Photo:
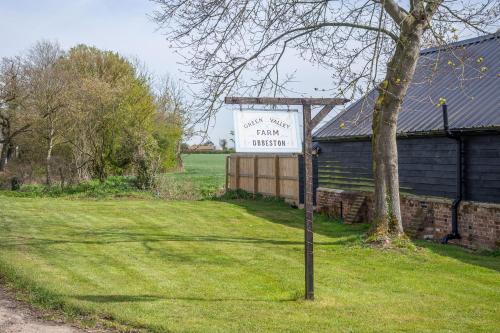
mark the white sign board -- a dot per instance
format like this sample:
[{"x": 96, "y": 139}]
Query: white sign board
[{"x": 267, "y": 131}]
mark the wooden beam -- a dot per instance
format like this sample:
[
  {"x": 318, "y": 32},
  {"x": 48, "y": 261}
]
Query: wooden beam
[
  {"x": 321, "y": 114},
  {"x": 285, "y": 101}
]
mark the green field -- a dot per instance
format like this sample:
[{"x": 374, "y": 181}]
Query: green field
[
  {"x": 236, "y": 266},
  {"x": 203, "y": 176}
]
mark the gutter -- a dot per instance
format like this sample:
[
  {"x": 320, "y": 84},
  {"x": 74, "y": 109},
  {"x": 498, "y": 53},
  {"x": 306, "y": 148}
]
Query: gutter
[{"x": 459, "y": 176}]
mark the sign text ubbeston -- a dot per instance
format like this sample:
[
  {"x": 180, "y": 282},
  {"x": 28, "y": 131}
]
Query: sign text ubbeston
[{"x": 267, "y": 131}]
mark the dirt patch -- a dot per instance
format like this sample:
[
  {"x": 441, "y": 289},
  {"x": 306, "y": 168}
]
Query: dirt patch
[{"x": 18, "y": 317}]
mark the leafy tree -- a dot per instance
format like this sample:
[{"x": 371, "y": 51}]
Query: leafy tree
[
  {"x": 114, "y": 108},
  {"x": 90, "y": 114}
]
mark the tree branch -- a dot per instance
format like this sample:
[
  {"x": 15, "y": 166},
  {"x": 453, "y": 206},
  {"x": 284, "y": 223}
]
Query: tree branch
[
  {"x": 397, "y": 13},
  {"x": 311, "y": 28},
  {"x": 431, "y": 8},
  {"x": 20, "y": 130}
]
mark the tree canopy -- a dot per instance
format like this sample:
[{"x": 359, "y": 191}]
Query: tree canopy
[{"x": 86, "y": 113}]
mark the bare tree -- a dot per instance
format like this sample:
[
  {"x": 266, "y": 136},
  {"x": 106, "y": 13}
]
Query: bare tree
[
  {"x": 174, "y": 109},
  {"x": 12, "y": 114},
  {"x": 46, "y": 94},
  {"x": 237, "y": 47}
]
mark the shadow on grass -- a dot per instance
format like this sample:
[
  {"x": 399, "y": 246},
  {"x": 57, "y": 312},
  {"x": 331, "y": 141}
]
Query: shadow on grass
[
  {"x": 151, "y": 298},
  {"x": 276, "y": 211},
  {"x": 115, "y": 237},
  {"x": 279, "y": 212},
  {"x": 272, "y": 211},
  {"x": 486, "y": 259}
]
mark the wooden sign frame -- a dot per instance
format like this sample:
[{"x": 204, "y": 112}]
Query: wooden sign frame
[{"x": 309, "y": 124}]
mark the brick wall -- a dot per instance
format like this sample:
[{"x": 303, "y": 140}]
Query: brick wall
[{"x": 425, "y": 217}]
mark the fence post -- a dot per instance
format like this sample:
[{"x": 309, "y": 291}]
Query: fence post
[
  {"x": 277, "y": 175},
  {"x": 237, "y": 173},
  {"x": 299, "y": 174},
  {"x": 228, "y": 170},
  {"x": 255, "y": 174}
]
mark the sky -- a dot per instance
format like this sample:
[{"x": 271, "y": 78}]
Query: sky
[{"x": 123, "y": 26}]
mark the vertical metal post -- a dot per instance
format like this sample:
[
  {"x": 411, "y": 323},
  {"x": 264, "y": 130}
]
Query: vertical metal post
[{"x": 308, "y": 205}]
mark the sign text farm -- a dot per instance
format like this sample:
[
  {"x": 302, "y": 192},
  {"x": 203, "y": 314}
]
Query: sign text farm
[{"x": 266, "y": 132}]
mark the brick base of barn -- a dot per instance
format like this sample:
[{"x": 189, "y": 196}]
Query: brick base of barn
[{"x": 425, "y": 217}]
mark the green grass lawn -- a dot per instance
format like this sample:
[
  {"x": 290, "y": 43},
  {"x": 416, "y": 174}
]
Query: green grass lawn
[
  {"x": 212, "y": 266},
  {"x": 203, "y": 176}
]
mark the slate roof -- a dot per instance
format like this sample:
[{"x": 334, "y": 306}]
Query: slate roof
[{"x": 466, "y": 74}]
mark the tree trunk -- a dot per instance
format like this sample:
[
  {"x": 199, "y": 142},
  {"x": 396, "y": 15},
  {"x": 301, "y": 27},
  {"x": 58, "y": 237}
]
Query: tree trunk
[
  {"x": 379, "y": 227},
  {"x": 387, "y": 220},
  {"x": 100, "y": 168},
  {"x": 5, "y": 136},
  {"x": 178, "y": 155},
  {"x": 48, "y": 159},
  {"x": 4, "y": 155}
]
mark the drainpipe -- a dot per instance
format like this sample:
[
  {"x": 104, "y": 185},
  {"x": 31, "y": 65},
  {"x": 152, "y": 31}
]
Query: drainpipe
[{"x": 458, "y": 197}]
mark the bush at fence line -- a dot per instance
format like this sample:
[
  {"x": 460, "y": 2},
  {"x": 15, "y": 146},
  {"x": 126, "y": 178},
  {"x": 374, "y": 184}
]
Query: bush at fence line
[
  {"x": 115, "y": 186},
  {"x": 171, "y": 188}
]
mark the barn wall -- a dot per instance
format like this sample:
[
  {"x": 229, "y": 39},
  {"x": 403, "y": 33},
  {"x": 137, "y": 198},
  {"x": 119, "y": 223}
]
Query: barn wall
[
  {"x": 345, "y": 165},
  {"x": 424, "y": 217},
  {"x": 482, "y": 168},
  {"x": 426, "y": 166}
]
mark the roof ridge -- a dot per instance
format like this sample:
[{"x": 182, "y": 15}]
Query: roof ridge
[
  {"x": 474, "y": 103},
  {"x": 463, "y": 42}
]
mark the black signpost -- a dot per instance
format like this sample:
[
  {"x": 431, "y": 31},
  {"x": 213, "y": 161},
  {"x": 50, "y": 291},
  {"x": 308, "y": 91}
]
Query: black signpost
[{"x": 309, "y": 124}]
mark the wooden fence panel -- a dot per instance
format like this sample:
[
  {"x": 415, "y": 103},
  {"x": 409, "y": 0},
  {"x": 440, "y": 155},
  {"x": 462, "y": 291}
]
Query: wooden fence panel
[
  {"x": 271, "y": 174},
  {"x": 289, "y": 167},
  {"x": 289, "y": 189}
]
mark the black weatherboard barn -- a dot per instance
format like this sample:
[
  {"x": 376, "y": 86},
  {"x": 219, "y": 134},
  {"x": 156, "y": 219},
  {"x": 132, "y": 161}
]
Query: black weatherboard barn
[
  {"x": 448, "y": 139},
  {"x": 467, "y": 77}
]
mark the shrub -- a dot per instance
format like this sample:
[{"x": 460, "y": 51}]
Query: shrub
[{"x": 116, "y": 186}]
